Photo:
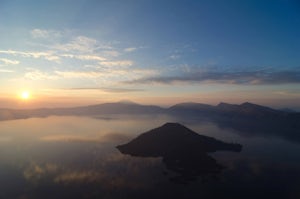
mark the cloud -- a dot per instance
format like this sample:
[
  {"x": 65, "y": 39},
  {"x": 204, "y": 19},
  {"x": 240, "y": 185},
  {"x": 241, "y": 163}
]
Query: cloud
[
  {"x": 53, "y": 58},
  {"x": 85, "y": 57},
  {"x": 79, "y": 74},
  {"x": 44, "y": 34},
  {"x": 35, "y": 74},
  {"x": 8, "y": 61},
  {"x": 27, "y": 54},
  {"x": 175, "y": 56},
  {"x": 48, "y": 55},
  {"x": 122, "y": 63},
  {"x": 111, "y": 53},
  {"x": 78, "y": 44},
  {"x": 61, "y": 46},
  {"x": 258, "y": 77},
  {"x": 6, "y": 71},
  {"x": 108, "y": 90},
  {"x": 39, "y": 75},
  {"x": 121, "y": 90},
  {"x": 130, "y": 49},
  {"x": 97, "y": 60},
  {"x": 107, "y": 76}
]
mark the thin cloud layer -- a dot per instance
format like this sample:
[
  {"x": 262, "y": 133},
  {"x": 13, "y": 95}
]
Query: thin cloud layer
[
  {"x": 109, "y": 90},
  {"x": 258, "y": 77},
  {"x": 45, "y": 34},
  {"x": 9, "y": 61},
  {"x": 121, "y": 63}
]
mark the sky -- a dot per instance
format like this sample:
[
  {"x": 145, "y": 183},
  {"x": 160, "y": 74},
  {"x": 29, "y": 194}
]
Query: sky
[{"x": 78, "y": 52}]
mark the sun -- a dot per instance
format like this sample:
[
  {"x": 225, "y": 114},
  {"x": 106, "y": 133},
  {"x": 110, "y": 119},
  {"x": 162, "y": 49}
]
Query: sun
[{"x": 25, "y": 95}]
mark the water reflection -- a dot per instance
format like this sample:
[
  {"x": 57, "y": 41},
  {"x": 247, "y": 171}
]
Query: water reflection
[
  {"x": 189, "y": 168},
  {"x": 75, "y": 157}
]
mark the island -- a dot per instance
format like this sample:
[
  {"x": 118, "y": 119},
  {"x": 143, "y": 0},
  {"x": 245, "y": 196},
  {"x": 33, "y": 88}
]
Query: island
[{"x": 183, "y": 151}]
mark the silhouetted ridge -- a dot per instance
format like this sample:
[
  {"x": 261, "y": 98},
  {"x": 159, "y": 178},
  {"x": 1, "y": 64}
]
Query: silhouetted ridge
[
  {"x": 191, "y": 109},
  {"x": 192, "y": 105},
  {"x": 257, "y": 107},
  {"x": 250, "y": 104},
  {"x": 223, "y": 104},
  {"x": 127, "y": 102}
]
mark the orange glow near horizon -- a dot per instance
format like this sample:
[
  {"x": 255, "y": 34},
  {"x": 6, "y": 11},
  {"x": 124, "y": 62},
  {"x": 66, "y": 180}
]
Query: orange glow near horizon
[{"x": 27, "y": 98}]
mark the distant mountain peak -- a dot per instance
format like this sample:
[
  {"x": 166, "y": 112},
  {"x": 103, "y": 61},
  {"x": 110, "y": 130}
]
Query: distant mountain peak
[
  {"x": 222, "y": 104},
  {"x": 227, "y": 107},
  {"x": 246, "y": 104},
  {"x": 249, "y": 104},
  {"x": 259, "y": 108},
  {"x": 127, "y": 102},
  {"x": 191, "y": 106}
]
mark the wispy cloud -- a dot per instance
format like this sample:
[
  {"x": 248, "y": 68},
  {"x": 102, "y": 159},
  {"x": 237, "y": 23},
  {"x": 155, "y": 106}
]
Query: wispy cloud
[
  {"x": 121, "y": 63},
  {"x": 111, "y": 53},
  {"x": 79, "y": 74},
  {"x": 9, "y": 61},
  {"x": 109, "y": 90},
  {"x": 78, "y": 44},
  {"x": 6, "y": 71},
  {"x": 75, "y": 57},
  {"x": 258, "y": 77},
  {"x": 48, "y": 55},
  {"x": 175, "y": 56},
  {"x": 31, "y": 54},
  {"x": 130, "y": 49},
  {"x": 109, "y": 77},
  {"x": 68, "y": 41},
  {"x": 34, "y": 74},
  {"x": 45, "y": 34},
  {"x": 85, "y": 57},
  {"x": 60, "y": 46}
]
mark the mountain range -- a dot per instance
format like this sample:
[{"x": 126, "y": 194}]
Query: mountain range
[
  {"x": 245, "y": 117},
  {"x": 223, "y": 109}
]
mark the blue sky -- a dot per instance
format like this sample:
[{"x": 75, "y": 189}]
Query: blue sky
[{"x": 160, "y": 52}]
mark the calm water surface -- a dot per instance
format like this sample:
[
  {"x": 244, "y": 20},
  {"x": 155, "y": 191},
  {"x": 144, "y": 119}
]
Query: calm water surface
[{"x": 75, "y": 157}]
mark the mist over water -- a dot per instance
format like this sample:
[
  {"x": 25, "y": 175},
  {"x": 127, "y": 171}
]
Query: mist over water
[{"x": 75, "y": 157}]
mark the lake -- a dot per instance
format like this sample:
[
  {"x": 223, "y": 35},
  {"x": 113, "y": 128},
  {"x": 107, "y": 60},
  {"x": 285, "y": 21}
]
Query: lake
[{"x": 75, "y": 157}]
